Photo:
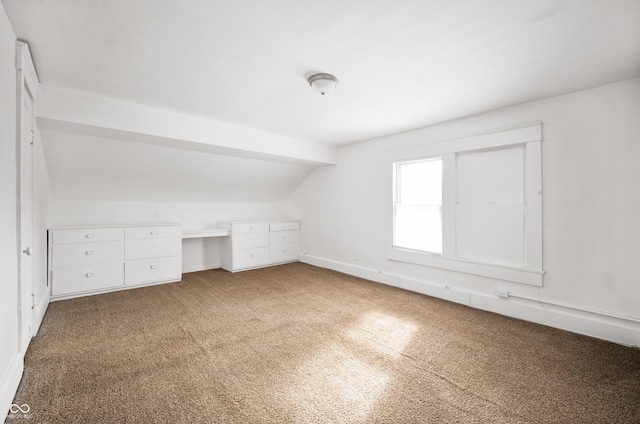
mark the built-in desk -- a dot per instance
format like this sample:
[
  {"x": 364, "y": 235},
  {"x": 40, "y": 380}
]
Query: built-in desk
[
  {"x": 249, "y": 244},
  {"x": 203, "y": 233}
]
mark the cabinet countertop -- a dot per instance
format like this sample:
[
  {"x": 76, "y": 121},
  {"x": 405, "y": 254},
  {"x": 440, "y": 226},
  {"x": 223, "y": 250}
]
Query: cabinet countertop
[{"x": 206, "y": 232}]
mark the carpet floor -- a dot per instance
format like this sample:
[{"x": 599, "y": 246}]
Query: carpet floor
[{"x": 300, "y": 344}]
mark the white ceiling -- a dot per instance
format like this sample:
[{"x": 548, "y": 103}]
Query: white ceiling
[
  {"x": 402, "y": 64},
  {"x": 86, "y": 167}
]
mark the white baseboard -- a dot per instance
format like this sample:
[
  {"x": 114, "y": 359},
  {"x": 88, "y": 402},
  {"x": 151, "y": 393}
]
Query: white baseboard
[
  {"x": 188, "y": 269},
  {"x": 599, "y": 325},
  {"x": 113, "y": 289},
  {"x": 9, "y": 384}
]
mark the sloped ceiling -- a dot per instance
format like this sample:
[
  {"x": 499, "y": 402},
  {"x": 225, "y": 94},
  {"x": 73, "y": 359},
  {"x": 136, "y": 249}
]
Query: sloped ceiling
[
  {"x": 401, "y": 63},
  {"x": 86, "y": 167},
  {"x": 242, "y": 66}
]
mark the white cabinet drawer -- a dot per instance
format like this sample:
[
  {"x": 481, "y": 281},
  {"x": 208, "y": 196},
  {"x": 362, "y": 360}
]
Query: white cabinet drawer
[
  {"x": 145, "y": 249},
  {"x": 284, "y": 253},
  {"x": 74, "y": 254},
  {"x": 86, "y": 278},
  {"x": 87, "y": 235},
  {"x": 255, "y": 227},
  {"x": 142, "y": 233},
  {"x": 255, "y": 244},
  {"x": 284, "y": 226},
  {"x": 158, "y": 269},
  {"x": 283, "y": 237},
  {"x": 250, "y": 258},
  {"x": 249, "y": 240}
]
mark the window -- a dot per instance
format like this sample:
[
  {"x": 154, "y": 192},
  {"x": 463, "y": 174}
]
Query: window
[
  {"x": 472, "y": 205},
  {"x": 418, "y": 205}
]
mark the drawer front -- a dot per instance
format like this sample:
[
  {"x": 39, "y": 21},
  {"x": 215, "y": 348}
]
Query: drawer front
[
  {"x": 86, "y": 278},
  {"x": 284, "y": 253},
  {"x": 249, "y": 240},
  {"x": 283, "y": 237},
  {"x": 147, "y": 249},
  {"x": 147, "y": 233},
  {"x": 249, "y": 258},
  {"x": 284, "y": 226},
  {"x": 256, "y": 227},
  {"x": 148, "y": 270},
  {"x": 74, "y": 254},
  {"x": 87, "y": 235}
]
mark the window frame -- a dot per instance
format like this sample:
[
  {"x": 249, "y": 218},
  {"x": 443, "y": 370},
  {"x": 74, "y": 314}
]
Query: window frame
[{"x": 528, "y": 135}]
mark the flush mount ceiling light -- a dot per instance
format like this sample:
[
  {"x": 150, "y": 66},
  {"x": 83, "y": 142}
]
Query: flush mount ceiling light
[{"x": 323, "y": 83}]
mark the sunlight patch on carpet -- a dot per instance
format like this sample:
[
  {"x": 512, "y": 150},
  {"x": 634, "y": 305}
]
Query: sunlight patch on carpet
[
  {"x": 383, "y": 333},
  {"x": 337, "y": 385}
]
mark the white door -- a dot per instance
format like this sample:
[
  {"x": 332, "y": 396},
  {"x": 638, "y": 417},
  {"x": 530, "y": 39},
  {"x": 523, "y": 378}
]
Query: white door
[{"x": 26, "y": 216}]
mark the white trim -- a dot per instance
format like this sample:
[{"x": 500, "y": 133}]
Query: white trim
[
  {"x": 25, "y": 64},
  {"x": 598, "y": 324},
  {"x": 113, "y": 289},
  {"x": 449, "y": 205},
  {"x": 533, "y": 203},
  {"x": 517, "y": 275},
  {"x": 10, "y": 382},
  {"x": 528, "y": 135},
  {"x": 569, "y": 306},
  {"x": 26, "y": 81},
  {"x": 500, "y": 137}
]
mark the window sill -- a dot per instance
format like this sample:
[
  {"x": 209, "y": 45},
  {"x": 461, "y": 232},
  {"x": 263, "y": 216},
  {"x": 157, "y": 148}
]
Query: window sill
[{"x": 531, "y": 277}]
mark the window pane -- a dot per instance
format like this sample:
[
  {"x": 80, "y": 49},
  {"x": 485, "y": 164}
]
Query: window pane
[
  {"x": 420, "y": 183},
  {"x": 418, "y": 228}
]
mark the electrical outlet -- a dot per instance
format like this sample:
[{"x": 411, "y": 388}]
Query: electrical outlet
[{"x": 500, "y": 292}]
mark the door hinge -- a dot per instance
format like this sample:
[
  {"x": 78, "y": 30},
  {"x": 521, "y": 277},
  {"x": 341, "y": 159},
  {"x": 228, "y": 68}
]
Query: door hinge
[
  {"x": 33, "y": 300},
  {"x": 33, "y": 136}
]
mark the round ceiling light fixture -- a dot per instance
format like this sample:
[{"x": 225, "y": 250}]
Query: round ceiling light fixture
[{"x": 323, "y": 83}]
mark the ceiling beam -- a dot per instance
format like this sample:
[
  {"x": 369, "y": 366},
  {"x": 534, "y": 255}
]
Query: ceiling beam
[{"x": 91, "y": 114}]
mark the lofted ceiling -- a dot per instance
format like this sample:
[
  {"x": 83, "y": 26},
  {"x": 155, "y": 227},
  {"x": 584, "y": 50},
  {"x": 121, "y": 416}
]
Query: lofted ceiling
[
  {"x": 208, "y": 101},
  {"x": 402, "y": 64},
  {"x": 86, "y": 167}
]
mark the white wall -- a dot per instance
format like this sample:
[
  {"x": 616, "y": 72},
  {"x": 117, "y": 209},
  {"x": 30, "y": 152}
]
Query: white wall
[
  {"x": 198, "y": 254},
  {"x": 591, "y": 214},
  {"x": 10, "y": 358}
]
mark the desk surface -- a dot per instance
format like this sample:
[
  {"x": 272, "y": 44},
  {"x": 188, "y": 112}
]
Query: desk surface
[{"x": 206, "y": 232}]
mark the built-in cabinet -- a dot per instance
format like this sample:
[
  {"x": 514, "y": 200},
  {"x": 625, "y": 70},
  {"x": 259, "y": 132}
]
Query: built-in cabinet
[
  {"x": 88, "y": 260},
  {"x": 256, "y": 244},
  {"x": 91, "y": 260}
]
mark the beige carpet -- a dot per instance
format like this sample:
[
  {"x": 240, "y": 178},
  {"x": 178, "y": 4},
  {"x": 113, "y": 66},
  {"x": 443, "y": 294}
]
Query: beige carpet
[{"x": 299, "y": 344}]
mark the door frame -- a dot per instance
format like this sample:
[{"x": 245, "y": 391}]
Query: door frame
[{"x": 27, "y": 83}]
